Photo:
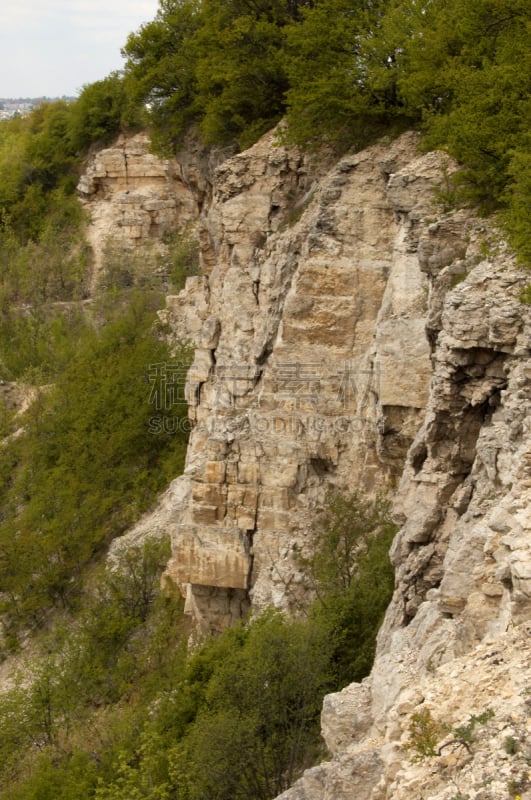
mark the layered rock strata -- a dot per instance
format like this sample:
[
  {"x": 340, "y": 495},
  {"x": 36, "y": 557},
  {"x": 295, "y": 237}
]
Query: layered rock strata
[
  {"x": 352, "y": 333},
  {"x": 133, "y": 198},
  {"x": 311, "y": 363},
  {"x": 455, "y": 642}
]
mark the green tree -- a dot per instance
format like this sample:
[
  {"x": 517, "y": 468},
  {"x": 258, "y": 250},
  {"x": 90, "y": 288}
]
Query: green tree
[
  {"x": 160, "y": 69},
  {"x": 352, "y": 575},
  {"x": 517, "y": 198},
  {"x": 102, "y": 111},
  {"x": 467, "y": 69},
  {"x": 218, "y": 65},
  {"x": 49, "y": 152},
  {"x": 331, "y": 97},
  {"x": 241, "y": 81},
  {"x": 259, "y": 725}
]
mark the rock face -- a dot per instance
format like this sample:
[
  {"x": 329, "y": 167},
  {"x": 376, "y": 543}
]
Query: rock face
[
  {"x": 133, "y": 198},
  {"x": 311, "y": 368},
  {"x": 351, "y": 333},
  {"x": 456, "y": 635}
]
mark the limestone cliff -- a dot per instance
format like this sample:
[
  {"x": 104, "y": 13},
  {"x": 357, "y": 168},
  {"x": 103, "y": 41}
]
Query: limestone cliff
[
  {"x": 132, "y": 198},
  {"x": 351, "y": 333},
  {"x": 311, "y": 365}
]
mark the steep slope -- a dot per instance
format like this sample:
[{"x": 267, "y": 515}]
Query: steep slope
[
  {"x": 456, "y": 637},
  {"x": 311, "y": 366},
  {"x": 352, "y": 332}
]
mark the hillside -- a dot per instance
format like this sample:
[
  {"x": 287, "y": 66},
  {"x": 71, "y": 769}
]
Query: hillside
[
  {"x": 265, "y": 387},
  {"x": 379, "y": 345}
]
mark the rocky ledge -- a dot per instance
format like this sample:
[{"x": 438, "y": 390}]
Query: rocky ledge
[{"x": 352, "y": 332}]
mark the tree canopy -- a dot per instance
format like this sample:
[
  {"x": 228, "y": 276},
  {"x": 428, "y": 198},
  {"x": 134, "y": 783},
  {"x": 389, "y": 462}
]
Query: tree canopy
[
  {"x": 339, "y": 72},
  {"x": 344, "y": 71}
]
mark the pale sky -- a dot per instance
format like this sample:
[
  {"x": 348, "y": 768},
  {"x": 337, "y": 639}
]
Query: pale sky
[{"x": 53, "y": 48}]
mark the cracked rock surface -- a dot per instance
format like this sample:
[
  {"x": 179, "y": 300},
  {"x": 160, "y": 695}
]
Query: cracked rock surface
[{"x": 350, "y": 333}]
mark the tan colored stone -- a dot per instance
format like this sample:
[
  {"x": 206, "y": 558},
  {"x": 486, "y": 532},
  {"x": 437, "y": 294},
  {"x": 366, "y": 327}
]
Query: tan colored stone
[
  {"x": 210, "y": 493},
  {"x": 370, "y": 343},
  {"x": 248, "y": 472},
  {"x": 211, "y": 557},
  {"x": 203, "y": 514},
  {"x": 276, "y": 498},
  {"x": 242, "y": 495},
  {"x": 273, "y": 520},
  {"x": 214, "y": 472}
]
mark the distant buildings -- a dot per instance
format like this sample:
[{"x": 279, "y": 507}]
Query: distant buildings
[
  {"x": 22, "y": 106},
  {"x": 10, "y": 107}
]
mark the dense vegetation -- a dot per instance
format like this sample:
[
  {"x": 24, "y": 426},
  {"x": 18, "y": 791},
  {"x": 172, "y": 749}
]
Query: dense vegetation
[
  {"x": 339, "y": 72},
  {"x": 345, "y": 71},
  {"x": 84, "y": 467},
  {"x": 111, "y": 707}
]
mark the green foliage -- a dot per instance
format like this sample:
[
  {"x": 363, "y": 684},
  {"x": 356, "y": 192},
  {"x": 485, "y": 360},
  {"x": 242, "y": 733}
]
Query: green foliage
[
  {"x": 334, "y": 100},
  {"x": 240, "y": 74},
  {"x": 102, "y": 111},
  {"x": 517, "y": 198},
  {"x": 424, "y": 734},
  {"x": 87, "y": 465},
  {"x": 6, "y": 418},
  {"x": 464, "y": 734},
  {"x": 510, "y": 745},
  {"x": 218, "y": 64},
  {"x": 354, "y": 580},
  {"x": 259, "y": 726},
  {"x": 49, "y": 154},
  {"x": 91, "y": 662},
  {"x": 52, "y": 779},
  {"x": 181, "y": 259},
  {"x": 125, "y": 269},
  {"x": 117, "y": 635},
  {"x": 343, "y": 73},
  {"x": 114, "y": 702},
  {"x": 160, "y": 69},
  {"x": 50, "y": 266},
  {"x": 38, "y": 343},
  {"x": 14, "y": 136},
  {"x": 40, "y": 155},
  {"x": 464, "y": 72},
  {"x": 146, "y": 778}
]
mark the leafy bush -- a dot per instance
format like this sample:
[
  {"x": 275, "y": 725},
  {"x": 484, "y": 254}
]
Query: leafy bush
[
  {"x": 102, "y": 111},
  {"x": 353, "y": 578},
  {"x": 259, "y": 725},
  {"x": 116, "y": 703},
  {"x": 424, "y": 734},
  {"x": 87, "y": 465}
]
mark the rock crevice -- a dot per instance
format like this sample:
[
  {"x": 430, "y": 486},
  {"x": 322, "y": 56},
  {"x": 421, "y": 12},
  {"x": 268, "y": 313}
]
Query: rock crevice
[{"x": 350, "y": 333}]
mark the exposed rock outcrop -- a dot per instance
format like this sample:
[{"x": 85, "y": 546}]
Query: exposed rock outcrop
[
  {"x": 350, "y": 332},
  {"x": 311, "y": 367},
  {"x": 133, "y": 198},
  {"x": 456, "y": 634}
]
